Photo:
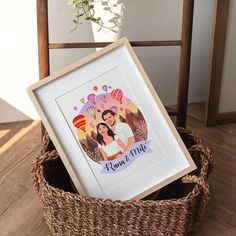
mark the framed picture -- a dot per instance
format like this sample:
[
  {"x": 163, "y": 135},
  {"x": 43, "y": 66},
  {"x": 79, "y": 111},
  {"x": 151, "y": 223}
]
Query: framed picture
[{"x": 109, "y": 126}]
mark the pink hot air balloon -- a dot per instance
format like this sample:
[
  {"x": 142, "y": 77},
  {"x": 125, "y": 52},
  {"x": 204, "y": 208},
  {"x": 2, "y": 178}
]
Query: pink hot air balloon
[
  {"x": 117, "y": 94},
  {"x": 92, "y": 111},
  {"x": 92, "y": 98}
]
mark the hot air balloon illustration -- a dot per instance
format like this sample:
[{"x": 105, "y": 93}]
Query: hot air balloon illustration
[
  {"x": 80, "y": 122},
  {"x": 95, "y": 88},
  {"x": 104, "y": 88},
  {"x": 114, "y": 109},
  {"x": 92, "y": 98},
  {"x": 82, "y": 100},
  {"x": 92, "y": 111},
  {"x": 117, "y": 94},
  {"x": 104, "y": 98}
]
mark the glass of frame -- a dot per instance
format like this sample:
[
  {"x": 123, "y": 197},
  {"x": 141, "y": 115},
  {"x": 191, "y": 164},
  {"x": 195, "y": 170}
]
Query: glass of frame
[{"x": 109, "y": 126}]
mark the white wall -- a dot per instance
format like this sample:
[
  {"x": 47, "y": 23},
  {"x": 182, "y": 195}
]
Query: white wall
[
  {"x": 147, "y": 20},
  {"x": 19, "y": 60},
  {"x": 142, "y": 20}
]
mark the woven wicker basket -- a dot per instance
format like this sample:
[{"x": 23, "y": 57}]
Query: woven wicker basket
[{"x": 176, "y": 210}]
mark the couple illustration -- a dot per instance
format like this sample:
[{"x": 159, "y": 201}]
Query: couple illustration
[{"x": 113, "y": 137}]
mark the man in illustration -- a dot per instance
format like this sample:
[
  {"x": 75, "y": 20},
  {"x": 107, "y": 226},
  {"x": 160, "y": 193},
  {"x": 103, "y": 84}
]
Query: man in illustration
[{"x": 120, "y": 129}]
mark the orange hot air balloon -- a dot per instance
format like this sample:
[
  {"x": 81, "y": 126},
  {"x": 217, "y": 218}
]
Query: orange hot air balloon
[
  {"x": 80, "y": 122},
  {"x": 117, "y": 94}
]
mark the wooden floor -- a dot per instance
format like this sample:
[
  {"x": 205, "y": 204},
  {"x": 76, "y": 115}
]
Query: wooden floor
[{"x": 20, "y": 209}]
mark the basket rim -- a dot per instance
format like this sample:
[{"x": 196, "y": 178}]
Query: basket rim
[
  {"x": 199, "y": 181},
  {"x": 57, "y": 192}
]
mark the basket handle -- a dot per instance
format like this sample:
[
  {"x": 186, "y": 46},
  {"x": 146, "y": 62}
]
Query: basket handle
[
  {"x": 203, "y": 183},
  {"x": 206, "y": 158},
  {"x": 189, "y": 133},
  {"x": 45, "y": 143},
  {"x": 201, "y": 180},
  {"x": 37, "y": 164},
  {"x": 198, "y": 180}
]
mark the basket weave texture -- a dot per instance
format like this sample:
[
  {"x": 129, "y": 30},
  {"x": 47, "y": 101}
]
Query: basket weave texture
[{"x": 175, "y": 210}]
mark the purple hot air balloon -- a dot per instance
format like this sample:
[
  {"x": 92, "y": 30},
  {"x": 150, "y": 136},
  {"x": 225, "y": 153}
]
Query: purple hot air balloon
[{"x": 104, "y": 88}]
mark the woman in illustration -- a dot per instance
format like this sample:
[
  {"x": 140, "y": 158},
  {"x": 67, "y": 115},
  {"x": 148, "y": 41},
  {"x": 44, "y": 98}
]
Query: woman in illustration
[{"x": 109, "y": 147}]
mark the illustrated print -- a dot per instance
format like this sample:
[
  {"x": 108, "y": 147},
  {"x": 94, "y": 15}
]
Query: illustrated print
[{"x": 111, "y": 129}]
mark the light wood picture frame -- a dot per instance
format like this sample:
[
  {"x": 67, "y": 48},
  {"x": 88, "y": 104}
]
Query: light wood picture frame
[
  {"x": 109, "y": 126},
  {"x": 217, "y": 65}
]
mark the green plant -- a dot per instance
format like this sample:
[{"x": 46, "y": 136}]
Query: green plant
[{"x": 84, "y": 10}]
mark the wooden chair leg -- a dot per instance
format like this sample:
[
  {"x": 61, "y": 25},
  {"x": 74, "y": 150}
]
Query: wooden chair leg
[
  {"x": 184, "y": 67},
  {"x": 43, "y": 50}
]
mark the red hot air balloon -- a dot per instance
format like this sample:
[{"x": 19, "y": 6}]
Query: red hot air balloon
[
  {"x": 117, "y": 94},
  {"x": 80, "y": 122},
  {"x": 92, "y": 111},
  {"x": 92, "y": 98}
]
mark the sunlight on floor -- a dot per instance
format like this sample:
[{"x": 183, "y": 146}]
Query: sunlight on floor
[
  {"x": 3, "y": 132},
  {"x": 20, "y": 134}
]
